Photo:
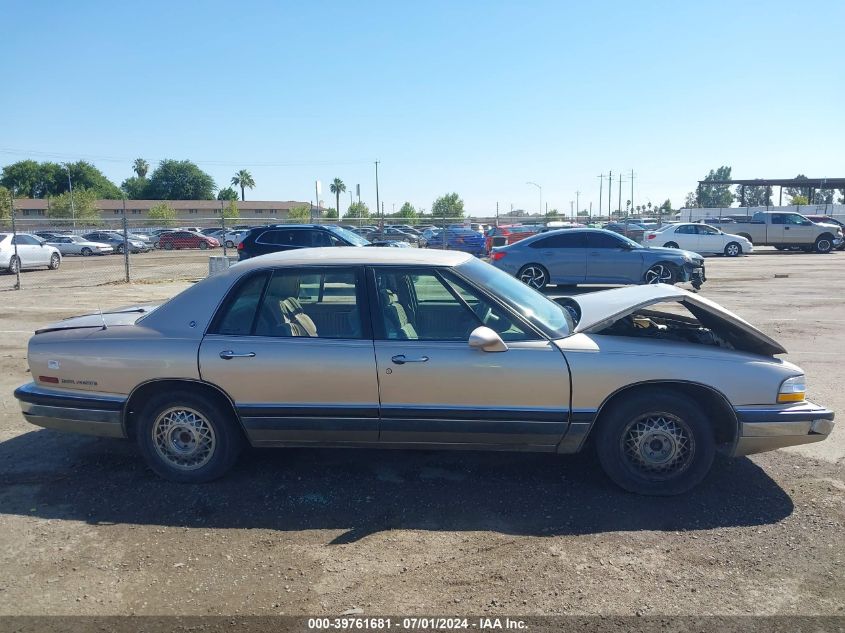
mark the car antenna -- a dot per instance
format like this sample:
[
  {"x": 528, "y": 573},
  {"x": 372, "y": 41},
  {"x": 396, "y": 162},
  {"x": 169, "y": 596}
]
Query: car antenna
[{"x": 102, "y": 318}]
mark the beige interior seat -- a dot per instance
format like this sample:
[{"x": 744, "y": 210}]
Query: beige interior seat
[{"x": 396, "y": 319}]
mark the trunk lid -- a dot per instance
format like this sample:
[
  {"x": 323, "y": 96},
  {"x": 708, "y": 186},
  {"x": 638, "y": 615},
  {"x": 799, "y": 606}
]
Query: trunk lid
[{"x": 99, "y": 320}]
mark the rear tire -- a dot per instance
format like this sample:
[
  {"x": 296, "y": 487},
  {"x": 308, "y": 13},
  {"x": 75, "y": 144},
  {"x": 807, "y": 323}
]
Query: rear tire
[
  {"x": 87, "y": 252},
  {"x": 230, "y": 244},
  {"x": 670, "y": 245},
  {"x": 55, "y": 261},
  {"x": 168, "y": 246},
  {"x": 733, "y": 249},
  {"x": 187, "y": 438},
  {"x": 119, "y": 249},
  {"x": 203, "y": 246},
  {"x": 655, "y": 443},
  {"x": 534, "y": 275}
]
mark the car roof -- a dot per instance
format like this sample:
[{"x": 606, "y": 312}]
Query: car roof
[{"x": 353, "y": 255}]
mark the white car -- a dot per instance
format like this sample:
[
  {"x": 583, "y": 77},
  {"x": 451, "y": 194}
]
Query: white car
[
  {"x": 701, "y": 238},
  {"x": 31, "y": 253},
  {"x": 76, "y": 245},
  {"x": 232, "y": 238}
]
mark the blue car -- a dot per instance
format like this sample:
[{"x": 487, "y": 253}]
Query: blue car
[{"x": 458, "y": 240}]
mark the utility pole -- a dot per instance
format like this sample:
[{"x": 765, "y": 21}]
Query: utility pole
[
  {"x": 620, "y": 194},
  {"x": 632, "y": 189},
  {"x": 571, "y": 209},
  {"x": 497, "y": 213},
  {"x": 577, "y": 203},
  {"x": 70, "y": 189},
  {"x": 609, "y": 191},
  {"x": 601, "y": 183},
  {"x": 377, "y": 202}
]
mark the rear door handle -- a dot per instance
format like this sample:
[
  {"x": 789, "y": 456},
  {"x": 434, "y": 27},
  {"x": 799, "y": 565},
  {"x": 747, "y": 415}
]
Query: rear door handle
[
  {"x": 401, "y": 359},
  {"x": 229, "y": 354}
]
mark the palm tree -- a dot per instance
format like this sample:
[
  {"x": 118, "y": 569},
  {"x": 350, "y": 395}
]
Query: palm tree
[
  {"x": 244, "y": 180},
  {"x": 337, "y": 187},
  {"x": 140, "y": 167}
]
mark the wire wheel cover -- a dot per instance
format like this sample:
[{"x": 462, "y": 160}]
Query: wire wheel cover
[
  {"x": 183, "y": 438},
  {"x": 658, "y": 445}
]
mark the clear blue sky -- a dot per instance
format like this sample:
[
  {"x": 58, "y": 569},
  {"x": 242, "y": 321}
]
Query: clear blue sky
[{"x": 474, "y": 97}]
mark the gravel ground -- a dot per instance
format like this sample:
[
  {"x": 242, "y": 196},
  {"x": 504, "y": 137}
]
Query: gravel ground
[{"x": 86, "y": 529}]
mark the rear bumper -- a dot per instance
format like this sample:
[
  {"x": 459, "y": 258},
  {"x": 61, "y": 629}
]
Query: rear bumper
[
  {"x": 89, "y": 415},
  {"x": 770, "y": 427}
]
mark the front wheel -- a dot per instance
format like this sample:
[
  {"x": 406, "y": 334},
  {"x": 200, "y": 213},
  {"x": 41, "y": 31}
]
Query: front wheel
[
  {"x": 733, "y": 249},
  {"x": 119, "y": 249},
  {"x": 534, "y": 275},
  {"x": 187, "y": 438},
  {"x": 823, "y": 244},
  {"x": 55, "y": 261},
  {"x": 660, "y": 274},
  {"x": 655, "y": 443},
  {"x": 230, "y": 244},
  {"x": 14, "y": 265},
  {"x": 168, "y": 246},
  {"x": 87, "y": 252},
  {"x": 203, "y": 246}
]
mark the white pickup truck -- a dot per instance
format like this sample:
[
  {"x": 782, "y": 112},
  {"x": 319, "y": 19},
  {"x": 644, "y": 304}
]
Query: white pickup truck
[{"x": 785, "y": 230}]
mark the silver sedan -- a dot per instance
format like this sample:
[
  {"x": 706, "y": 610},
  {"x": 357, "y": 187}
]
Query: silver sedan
[
  {"x": 76, "y": 245},
  {"x": 376, "y": 347}
]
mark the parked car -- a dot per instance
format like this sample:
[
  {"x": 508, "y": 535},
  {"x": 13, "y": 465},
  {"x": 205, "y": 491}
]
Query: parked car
[
  {"x": 233, "y": 360},
  {"x": 391, "y": 243},
  {"x": 787, "y": 230},
  {"x": 76, "y": 245},
  {"x": 595, "y": 256},
  {"x": 393, "y": 234},
  {"x": 829, "y": 221},
  {"x": 465, "y": 240},
  {"x": 286, "y": 237},
  {"x": 632, "y": 230},
  {"x": 507, "y": 234},
  {"x": 186, "y": 239},
  {"x": 701, "y": 238},
  {"x": 115, "y": 240},
  {"x": 23, "y": 251},
  {"x": 46, "y": 236}
]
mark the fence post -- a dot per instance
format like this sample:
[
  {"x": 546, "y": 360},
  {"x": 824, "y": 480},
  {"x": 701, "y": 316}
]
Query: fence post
[
  {"x": 223, "y": 226},
  {"x": 17, "y": 285},
  {"x": 125, "y": 243}
]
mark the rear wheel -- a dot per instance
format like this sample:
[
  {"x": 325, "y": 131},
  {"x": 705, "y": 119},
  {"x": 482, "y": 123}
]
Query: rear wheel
[
  {"x": 168, "y": 246},
  {"x": 230, "y": 244},
  {"x": 86, "y": 252},
  {"x": 655, "y": 443},
  {"x": 187, "y": 438},
  {"x": 733, "y": 249},
  {"x": 661, "y": 273},
  {"x": 119, "y": 249},
  {"x": 534, "y": 275},
  {"x": 670, "y": 245},
  {"x": 55, "y": 261}
]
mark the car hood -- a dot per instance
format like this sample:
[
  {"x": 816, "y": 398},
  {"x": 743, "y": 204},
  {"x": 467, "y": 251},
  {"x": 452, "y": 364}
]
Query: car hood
[
  {"x": 674, "y": 251},
  {"x": 830, "y": 225},
  {"x": 100, "y": 320},
  {"x": 601, "y": 309}
]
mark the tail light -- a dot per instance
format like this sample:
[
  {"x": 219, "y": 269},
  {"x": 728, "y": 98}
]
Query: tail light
[
  {"x": 240, "y": 246},
  {"x": 651, "y": 236},
  {"x": 497, "y": 255}
]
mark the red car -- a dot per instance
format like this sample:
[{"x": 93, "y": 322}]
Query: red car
[
  {"x": 186, "y": 239},
  {"x": 504, "y": 235}
]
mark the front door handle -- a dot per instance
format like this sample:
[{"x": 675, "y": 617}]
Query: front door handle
[
  {"x": 401, "y": 359},
  {"x": 229, "y": 354}
]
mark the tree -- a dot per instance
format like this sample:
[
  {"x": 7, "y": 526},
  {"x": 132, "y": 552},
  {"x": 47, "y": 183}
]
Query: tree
[
  {"x": 161, "y": 214},
  {"x": 691, "y": 201},
  {"x": 716, "y": 195},
  {"x": 842, "y": 196},
  {"x": 227, "y": 193},
  {"x": 135, "y": 188},
  {"x": 754, "y": 195},
  {"x": 553, "y": 214},
  {"x": 140, "y": 167},
  {"x": 407, "y": 211},
  {"x": 40, "y": 180},
  {"x": 337, "y": 187},
  {"x": 799, "y": 199},
  {"x": 232, "y": 211},
  {"x": 180, "y": 180},
  {"x": 244, "y": 180},
  {"x": 448, "y": 207},
  {"x": 583, "y": 213},
  {"x": 357, "y": 210},
  {"x": 330, "y": 214},
  {"x": 823, "y": 196},
  {"x": 5, "y": 206},
  {"x": 84, "y": 208},
  {"x": 300, "y": 212},
  {"x": 803, "y": 191}
]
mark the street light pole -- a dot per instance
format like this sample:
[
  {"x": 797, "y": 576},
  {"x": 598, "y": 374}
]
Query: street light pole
[
  {"x": 381, "y": 227},
  {"x": 70, "y": 189},
  {"x": 541, "y": 194}
]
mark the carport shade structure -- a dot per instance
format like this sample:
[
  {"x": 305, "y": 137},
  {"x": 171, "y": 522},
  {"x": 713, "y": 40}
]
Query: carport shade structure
[{"x": 813, "y": 184}]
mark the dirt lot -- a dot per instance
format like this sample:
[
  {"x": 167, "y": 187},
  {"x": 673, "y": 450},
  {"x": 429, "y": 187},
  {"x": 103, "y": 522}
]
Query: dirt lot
[{"x": 86, "y": 529}]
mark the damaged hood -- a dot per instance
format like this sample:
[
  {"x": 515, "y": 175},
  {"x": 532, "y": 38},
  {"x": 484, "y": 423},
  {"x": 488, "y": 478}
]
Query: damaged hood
[{"x": 601, "y": 309}]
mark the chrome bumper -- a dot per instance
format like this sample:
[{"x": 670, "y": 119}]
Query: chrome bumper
[
  {"x": 90, "y": 415},
  {"x": 771, "y": 427}
]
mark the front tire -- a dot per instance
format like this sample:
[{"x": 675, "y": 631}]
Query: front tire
[
  {"x": 187, "y": 438},
  {"x": 655, "y": 443},
  {"x": 203, "y": 246},
  {"x": 823, "y": 244},
  {"x": 661, "y": 273},
  {"x": 168, "y": 246},
  {"x": 55, "y": 261},
  {"x": 14, "y": 265},
  {"x": 119, "y": 249},
  {"x": 534, "y": 275},
  {"x": 230, "y": 244},
  {"x": 87, "y": 252},
  {"x": 733, "y": 249}
]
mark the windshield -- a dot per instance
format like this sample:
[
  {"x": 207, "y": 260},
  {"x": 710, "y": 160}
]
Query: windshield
[
  {"x": 349, "y": 236},
  {"x": 546, "y": 315}
]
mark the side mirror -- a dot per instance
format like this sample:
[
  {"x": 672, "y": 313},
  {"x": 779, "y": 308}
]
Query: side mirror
[{"x": 486, "y": 340}]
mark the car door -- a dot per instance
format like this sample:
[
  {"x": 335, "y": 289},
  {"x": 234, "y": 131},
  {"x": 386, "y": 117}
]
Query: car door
[
  {"x": 798, "y": 229},
  {"x": 30, "y": 251},
  {"x": 294, "y": 352},
  {"x": 710, "y": 240},
  {"x": 434, "y": 388},
  {"x": 564, "y": 255},
  {"x": 686, "y": 237},
  {"x": 610, "y": 261}
]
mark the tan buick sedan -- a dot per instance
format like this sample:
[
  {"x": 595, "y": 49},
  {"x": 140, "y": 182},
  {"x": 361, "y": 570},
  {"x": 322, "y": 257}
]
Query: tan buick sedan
[{"x": 416, "y": 348}]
